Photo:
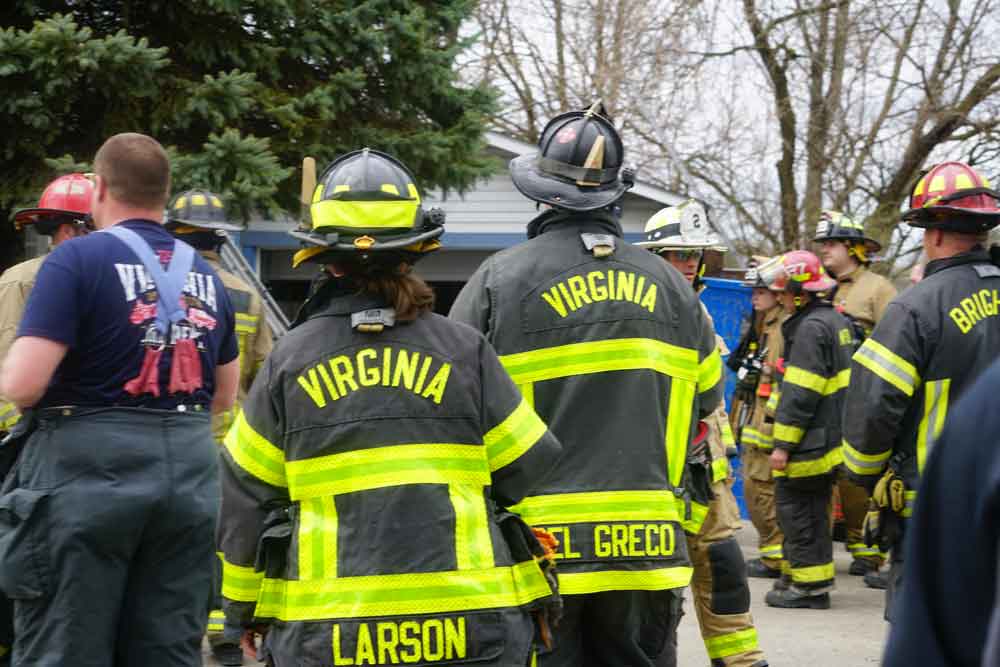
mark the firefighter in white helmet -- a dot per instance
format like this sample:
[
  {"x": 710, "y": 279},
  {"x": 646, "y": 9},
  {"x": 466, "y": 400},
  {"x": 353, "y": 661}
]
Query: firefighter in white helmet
[{"x": 680, "y": 235}]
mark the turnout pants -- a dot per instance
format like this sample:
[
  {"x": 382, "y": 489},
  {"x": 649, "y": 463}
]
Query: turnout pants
[
  {"x": 854, "y": 502},
  {"x": 804, "y": 516},
  {"x": 719, "y": 586},
  {"x": 758, "y": 491},
  {"x": 106, "y": 539},
  {"x": 616, "y": 628}
]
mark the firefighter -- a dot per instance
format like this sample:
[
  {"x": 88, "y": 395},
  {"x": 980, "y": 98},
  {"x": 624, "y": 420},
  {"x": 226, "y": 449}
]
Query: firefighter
[
  {"x": 612, "y": 348},
  {"x": 367, "y": 482},
  {"x": 199, "y": 218},
  {"x": 806, "y": 434},
  {"x": 680, "y": 235},
  {"x": 61, "y": 214},
  {"x": 929, "y": 346},
  {"x": 755, "y": 364},
  {"x": 106, "y": 520},
  {"x": 861, "y": 296}
]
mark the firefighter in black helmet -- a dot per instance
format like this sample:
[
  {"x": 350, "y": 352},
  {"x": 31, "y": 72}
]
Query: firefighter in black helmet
[
  {"x": 365, "y": 481},
  {"x": 611, "y": 346},
  {"x": 199, "y": 218}
]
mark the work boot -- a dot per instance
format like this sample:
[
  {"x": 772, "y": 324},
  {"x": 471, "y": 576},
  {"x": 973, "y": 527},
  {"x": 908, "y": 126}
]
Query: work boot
[
  {"x": 877, "y": 580},
  {"x": 756, "y": 568},
  {"x": 796, "y": 598},
  {"x": 783, "y": 583},
  {"x": 228, "y": 654},
  {"x": 860, "y": 567}
]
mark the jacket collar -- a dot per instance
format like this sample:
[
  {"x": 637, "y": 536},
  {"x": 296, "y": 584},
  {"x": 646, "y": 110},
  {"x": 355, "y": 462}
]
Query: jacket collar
[
  {"x": 977, "y": 255},
  {"x": 591, "y": 221},
  {"x": 335, "y": 297}
]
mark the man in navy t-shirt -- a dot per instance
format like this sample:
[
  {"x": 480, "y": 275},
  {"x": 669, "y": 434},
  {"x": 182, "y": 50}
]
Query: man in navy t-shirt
[{"x": 126, "y": 346}]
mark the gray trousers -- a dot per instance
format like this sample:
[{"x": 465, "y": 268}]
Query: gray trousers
[{"x": 106, "y": 539}]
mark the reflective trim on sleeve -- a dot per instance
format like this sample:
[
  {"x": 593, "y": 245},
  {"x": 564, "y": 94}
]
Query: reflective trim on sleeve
[
  {"x": 9, "y": 415},
  {"x": 240, "y": 583},
  {"x": 772, "y": 401},
  {"x": 817, "y": 383},
  {"x": 598, "y": 507},
  {"x": 771, "y": 552},
  {"x": 678, "y": 431},
  {"x": 252, "y": 452},
  {"x": 733, "y": 643},
  {"x": 787, "y": 433},
  {"x": 515, "y": 435},
  {"x": 581, "y": 583},
  {"x": 246, "y": 323},
  {"x": 935, "y": 409},
  {"x": 699, "y": 513},
  {"x": 620, "y": 354},
  {"x": 812, "y": 574},
  {"x": 709, "y": 371},
  {"x": 888, "y": 365},
  {"x": 395, "y": 465},
  {"x": 864, "y": 464},
  {"x": 726, "y": 431},
  {"x": 755, "y": 438},
  {"x": 401, "y": 594},
  {"x": 216, "y": 621},
  {"x": 720, "y": 469},
  {"x": 318, "y": 528},
  {"x": 820, "y": 466},
  {"x": 910, "y": 498}
]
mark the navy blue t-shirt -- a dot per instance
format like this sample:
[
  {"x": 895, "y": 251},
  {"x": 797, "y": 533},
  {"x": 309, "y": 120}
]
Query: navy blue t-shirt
[{"x": 93, "y": 294}]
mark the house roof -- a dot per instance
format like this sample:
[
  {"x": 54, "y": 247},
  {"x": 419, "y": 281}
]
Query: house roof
[{"x": 515, "y": 147}]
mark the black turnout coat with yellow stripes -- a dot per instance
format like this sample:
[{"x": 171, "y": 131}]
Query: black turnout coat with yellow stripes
[
  {"x": 618, "y": 358},
  {"x": 933, "y": 341},
  {"x": 807, "y": 422},
  {"x": 381, "y": 460}
]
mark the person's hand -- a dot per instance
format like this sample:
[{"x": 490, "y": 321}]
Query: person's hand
[{"x": 779, "y": 459}]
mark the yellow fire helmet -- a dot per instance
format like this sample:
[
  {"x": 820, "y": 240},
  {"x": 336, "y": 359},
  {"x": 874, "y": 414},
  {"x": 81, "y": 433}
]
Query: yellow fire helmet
[
  {"x": 366, "y": 205},
  {"x": 681, "y": 227}
]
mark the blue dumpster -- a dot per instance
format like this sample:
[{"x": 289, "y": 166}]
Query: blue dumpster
[{"x": 728, "y": 301}]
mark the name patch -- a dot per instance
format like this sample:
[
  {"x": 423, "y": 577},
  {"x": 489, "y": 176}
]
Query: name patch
[
  {"x": 652, "y": 540},
  {"x": 423, "y": 640}
]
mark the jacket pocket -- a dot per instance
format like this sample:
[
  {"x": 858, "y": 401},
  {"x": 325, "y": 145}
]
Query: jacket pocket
[{"x": 24, "y": 560}]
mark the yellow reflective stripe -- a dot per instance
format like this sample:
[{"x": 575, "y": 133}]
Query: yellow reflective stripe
[
  {"x": 619, "y": 354},
  {"x": 863, "y": 464},
  {"x": 216, "y": 621},
  {"x": 598, "y": 507},
  {"x": 732, "y": 643},
  {"x": 581, "y": 583},
  {"x": 246, "y": 323},
  {"x": 820, "y": 466},
  {"x": 709, "y": 371},
  {"x": 679, "y": 414},
  {"x": 252, "y": 452},
  {"x": 9, "y": 415},
  {"x": 821, "y": 385},
  {"x": 787, "y": 433},
  {"x": 864, "y": 551},
  {"x": 935, "y": 410},
  {"x": 395, "y": 465},
  {"x": 771, "y": 551},
  {"x": 401, "y": 594},
  {"x": 515, "y": 435},
  {"x": 239, "y": 583},
  {"x": 473, "y": 543},
  {"x": 751, "y": 436},
  {"x": 528, "y": 391},
  {"x": 720, "y": 469},
  {"x": 888, "y": 365},
  {"x": 699, "y": 513},
  {"x": 772, "y": 401},
  {"x": 726, "y": 431},
  {"x": 318, "y": 538},
  {"x": 812, "y": 574},
  {"x": 910, "y": 498}
]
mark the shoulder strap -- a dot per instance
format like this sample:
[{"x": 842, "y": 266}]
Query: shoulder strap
[{"x": 169, "y": 283}]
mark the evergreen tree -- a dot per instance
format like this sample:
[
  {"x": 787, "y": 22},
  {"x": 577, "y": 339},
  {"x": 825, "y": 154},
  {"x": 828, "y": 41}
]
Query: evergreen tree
[{"x": 238, "y": 91}]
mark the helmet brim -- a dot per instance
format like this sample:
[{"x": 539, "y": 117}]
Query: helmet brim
[
  {"x": 539, "y": 186},
  {"x": 47, "y": 220},
  {"x": 871, "y": 245},
  {"x": 332, "y": 246},
  {"x": 822, "y": 284},
  {"x": 201, "y": 224},
  {"x": 715, "y": 245},
  {"x": 961, "y": 219}
]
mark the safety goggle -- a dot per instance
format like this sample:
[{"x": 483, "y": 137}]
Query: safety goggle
[{"x": 684, "y": 255}]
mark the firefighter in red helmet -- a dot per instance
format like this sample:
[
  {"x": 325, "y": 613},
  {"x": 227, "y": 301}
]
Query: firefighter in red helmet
[{"x": 931, "y": 343}]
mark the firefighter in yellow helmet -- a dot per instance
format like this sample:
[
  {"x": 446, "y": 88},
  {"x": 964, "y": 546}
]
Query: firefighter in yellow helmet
[
  {"x": 366, "y": 482},
  {"x": 198, "y": 217},
  {"x": 755, "y": 363},
  {"x": 680, "y": 235},
  {"x": 861, "y": 296}
]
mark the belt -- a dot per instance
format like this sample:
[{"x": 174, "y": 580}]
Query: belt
[{"x": 73, "y": 410}]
